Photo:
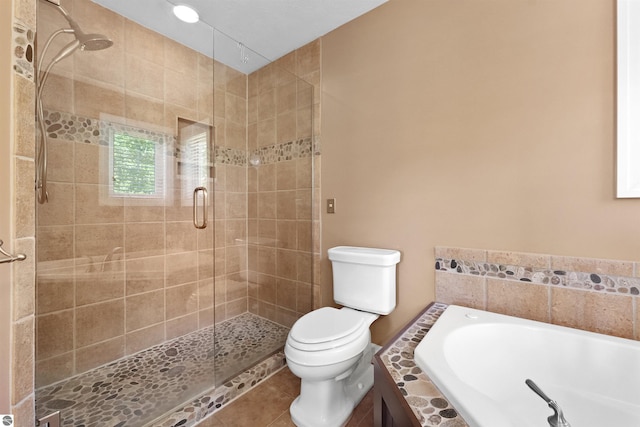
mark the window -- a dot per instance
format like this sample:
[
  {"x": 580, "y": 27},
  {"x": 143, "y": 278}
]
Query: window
[
  {"x": 136, "y": 164},
  {"x": 194, "y": 164},
  {"x": 194, "y": 161}
]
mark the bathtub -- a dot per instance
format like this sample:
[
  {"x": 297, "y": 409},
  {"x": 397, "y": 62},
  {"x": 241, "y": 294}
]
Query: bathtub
[{"x": 480, "y": 361}]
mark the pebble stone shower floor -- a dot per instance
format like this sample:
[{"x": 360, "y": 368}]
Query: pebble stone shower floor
[{"x": 130, "y": 391}]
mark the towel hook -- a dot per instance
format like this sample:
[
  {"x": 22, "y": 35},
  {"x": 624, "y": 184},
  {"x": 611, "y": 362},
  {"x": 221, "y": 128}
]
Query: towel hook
[{"x": 11, "y": 258}]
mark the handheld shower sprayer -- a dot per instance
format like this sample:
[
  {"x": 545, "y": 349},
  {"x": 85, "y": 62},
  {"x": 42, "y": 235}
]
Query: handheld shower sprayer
[
  {"x": 86, "y": 41},
  {"x": 82, "y": 41},
  {"x": 66, "y": 51}
]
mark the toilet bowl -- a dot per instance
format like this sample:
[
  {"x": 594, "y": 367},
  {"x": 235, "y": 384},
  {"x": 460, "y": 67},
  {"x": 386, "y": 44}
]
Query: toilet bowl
[{"x": 330, "y": 349}]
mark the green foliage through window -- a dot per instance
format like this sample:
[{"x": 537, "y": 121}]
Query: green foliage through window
[{"x": 134, "y": 165}]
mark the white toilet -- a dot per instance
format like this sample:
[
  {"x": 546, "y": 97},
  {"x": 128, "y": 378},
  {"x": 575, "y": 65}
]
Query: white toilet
[{"x": 330, "y": 349}]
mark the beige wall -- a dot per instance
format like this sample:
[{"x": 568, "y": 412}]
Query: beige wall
[{"x": 472, "y": 123}]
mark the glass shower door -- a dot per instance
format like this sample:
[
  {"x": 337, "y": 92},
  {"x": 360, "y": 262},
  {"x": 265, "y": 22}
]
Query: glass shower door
[
  {"x": 264, "y": 216},
  {"x": 124, "y": 275}
]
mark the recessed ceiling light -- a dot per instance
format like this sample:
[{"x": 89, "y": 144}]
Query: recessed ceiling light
[{"x": 186, "y": 13}]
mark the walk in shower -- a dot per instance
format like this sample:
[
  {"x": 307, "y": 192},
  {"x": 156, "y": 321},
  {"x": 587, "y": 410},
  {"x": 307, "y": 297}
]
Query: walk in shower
[{"x": 174, "y": 237}]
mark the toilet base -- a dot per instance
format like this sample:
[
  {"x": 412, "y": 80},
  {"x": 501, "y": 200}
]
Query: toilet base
[{"x": 330, "y": 403}]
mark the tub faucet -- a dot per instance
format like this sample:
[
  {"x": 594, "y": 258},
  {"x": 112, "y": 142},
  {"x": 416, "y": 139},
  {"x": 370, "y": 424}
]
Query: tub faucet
[{"x": 557, "y": 419}]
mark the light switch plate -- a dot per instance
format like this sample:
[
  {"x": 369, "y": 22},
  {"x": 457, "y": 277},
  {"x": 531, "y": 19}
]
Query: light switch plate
[{"x": 331, "y": 206}]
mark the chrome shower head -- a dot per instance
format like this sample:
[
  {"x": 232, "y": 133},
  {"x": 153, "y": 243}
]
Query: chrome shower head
[
  {"x": 87, "y": 41},
  {"x": 82, "y": 41},
  {"x": 93, "y": 41}
]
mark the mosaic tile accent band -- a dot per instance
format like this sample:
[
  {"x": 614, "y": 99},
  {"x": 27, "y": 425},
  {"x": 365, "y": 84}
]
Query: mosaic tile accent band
[
  {"x": 23, "y": 51},
  {"x": 287, "y": 151},
  {"x": 76, "y": 128},
  {"x": 130, "y": 392},
  {"x": 571, "y": 279},
  {"x": 425, "y": 400}
]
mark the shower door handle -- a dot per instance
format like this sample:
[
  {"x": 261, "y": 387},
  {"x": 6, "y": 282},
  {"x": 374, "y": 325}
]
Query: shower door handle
[{"x": 205, "y": 207}]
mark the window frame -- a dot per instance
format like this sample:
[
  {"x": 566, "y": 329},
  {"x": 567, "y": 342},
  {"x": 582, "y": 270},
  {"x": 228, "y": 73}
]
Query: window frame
[{"x": 628, "y": 99}]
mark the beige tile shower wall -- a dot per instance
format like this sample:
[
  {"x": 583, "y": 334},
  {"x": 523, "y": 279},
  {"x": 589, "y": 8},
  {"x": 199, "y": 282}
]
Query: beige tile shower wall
[
  {"x": 231, "y": 286},
  {"x": 308, "y": 65},
  {"x": 118, "y": 276},
  {"x": 283, "y": 245},
  {"x": 17, "y": 39},
  {"x": 591, "y": 294}
]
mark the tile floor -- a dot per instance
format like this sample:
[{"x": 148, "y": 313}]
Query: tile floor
[
  {"x": 267, "y": 405},
  {"x": 137, "y": 389}
]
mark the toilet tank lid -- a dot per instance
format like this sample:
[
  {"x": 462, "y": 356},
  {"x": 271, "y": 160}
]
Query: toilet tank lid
[{"x": 358, "y": 255}]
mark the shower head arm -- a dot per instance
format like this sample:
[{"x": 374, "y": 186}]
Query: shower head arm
[{"x": 72, "y": 23}]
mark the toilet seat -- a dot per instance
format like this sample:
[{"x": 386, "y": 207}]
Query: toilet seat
[
  {"x": 328, "y": 336},
  {"x": 327, "y": 328}
]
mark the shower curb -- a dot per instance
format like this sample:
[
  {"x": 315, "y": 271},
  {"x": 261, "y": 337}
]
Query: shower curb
[{"x": 215, "y": 399}]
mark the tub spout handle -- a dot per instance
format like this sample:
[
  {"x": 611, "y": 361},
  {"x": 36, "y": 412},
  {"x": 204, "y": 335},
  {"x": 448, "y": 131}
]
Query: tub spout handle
[{"x": 557, "y": 419}]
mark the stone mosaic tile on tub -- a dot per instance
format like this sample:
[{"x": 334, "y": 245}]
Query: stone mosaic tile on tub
[
  {"x": 570, "y": 279},
  {"x": 130, "y": 391},
  {"x": 425, "y": 400}
]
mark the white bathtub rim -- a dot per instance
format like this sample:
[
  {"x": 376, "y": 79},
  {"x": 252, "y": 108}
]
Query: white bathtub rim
[{"x": 430, "y": 356}]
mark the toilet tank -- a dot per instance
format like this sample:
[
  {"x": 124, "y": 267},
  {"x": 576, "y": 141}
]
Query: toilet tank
[{"x": 364, "y": 278}]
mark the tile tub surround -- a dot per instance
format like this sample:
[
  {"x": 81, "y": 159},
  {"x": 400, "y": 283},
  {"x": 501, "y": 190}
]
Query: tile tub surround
[
  {"x": 128, "y": 392},
  {"x": 428, "y": 405},
  {"x": 591, "y": 294}
]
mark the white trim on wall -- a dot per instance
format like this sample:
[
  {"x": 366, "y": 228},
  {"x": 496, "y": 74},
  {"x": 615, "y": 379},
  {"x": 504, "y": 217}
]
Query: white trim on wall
[{"x": 628, "y": 114}]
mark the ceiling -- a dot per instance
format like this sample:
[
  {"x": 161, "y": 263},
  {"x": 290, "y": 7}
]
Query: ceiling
[{"x": 265, "y": 29}]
